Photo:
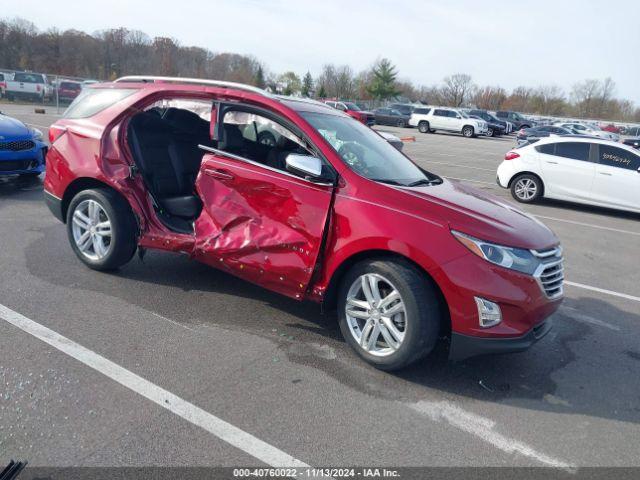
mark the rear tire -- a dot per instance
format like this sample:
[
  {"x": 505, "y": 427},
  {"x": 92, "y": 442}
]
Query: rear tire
[
  {"x": 408, "y": 332},
  {"x": 401, "y": 124},
  {"x": 423, "y": 127},
  {"x": 101, "y": 229},
  {"x": 526, "y": 188}
]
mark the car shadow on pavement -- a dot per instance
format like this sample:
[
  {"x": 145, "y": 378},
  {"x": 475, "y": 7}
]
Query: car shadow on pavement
[
  {"x": 587, "y": 365},
  {"x": 21, "y": 188}
]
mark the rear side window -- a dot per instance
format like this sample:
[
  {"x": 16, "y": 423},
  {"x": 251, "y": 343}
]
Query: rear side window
[
  {"x": 422, "y": 111},
  {"x": 548, "y": 148},
  {"x": 440, "y": 113},
  {"x": 95, "y": 100},
  {"x": 617, "y": 157},
  {"x": 574, "y": 150}
]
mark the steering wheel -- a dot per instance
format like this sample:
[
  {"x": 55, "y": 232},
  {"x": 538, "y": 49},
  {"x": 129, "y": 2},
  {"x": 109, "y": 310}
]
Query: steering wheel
[{"x": 353, "y": 154}]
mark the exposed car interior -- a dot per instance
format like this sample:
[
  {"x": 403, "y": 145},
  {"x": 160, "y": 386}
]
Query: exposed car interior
[{"x": 165, "y": 145}]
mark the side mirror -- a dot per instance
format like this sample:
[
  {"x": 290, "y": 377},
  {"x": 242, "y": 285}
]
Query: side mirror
[
  {"x": 458, "y": 117},
  {"x": 304, "y": 164}
]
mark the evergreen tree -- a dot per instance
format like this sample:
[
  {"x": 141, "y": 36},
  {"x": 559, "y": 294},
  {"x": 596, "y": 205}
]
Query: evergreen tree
[
  {"x": 322, "y": 93},
  {"x": 307, "y": 85},
  {"x": 383, "y": 81},
  {"x": 259, "y": 78}
]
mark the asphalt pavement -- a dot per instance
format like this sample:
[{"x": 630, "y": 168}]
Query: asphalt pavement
[{"x": 256, "y": 363}]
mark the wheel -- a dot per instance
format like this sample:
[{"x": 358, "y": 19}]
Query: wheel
[
  {"x": 389, "y": 313},
  {"x": 468, "y": 131},
  {"x": 267, "y": 138},
  {"x": 101, "y": 229},
  {"x": 526, "y": 188},
  {"x": 401, "y": 123},
  {"x": 491, "y": 133},
  {"x": 423, "y": 127}
]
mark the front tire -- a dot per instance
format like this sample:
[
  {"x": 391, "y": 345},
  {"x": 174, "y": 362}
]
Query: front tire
[
  {"x": 423, "y": 127},
  {"x": 389, "y": 313},
  {"x": 468, "y": 131},
  {"x": 101, "y": 229},
  {"x": 491, "y": 132},
  {"x": 526, "y": 188}
]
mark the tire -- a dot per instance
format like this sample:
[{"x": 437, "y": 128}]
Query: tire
[
  {"x": 419, "y": 322},
  {"x": 267, "y": 138},
  {"x": 401, "y": 124},
  {"x": 491, "y": 132},
  {"x": 527, "y": 188},
  {"x": 468, "y": 131},
  {"x": 120, "y": 245},
  {"x": 423, "y": 126}
]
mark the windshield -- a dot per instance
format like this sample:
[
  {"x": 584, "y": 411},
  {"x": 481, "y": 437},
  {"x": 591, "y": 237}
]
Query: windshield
[
  {"x": 366, "y": 152},
  {"x": 352, "y": 106}
]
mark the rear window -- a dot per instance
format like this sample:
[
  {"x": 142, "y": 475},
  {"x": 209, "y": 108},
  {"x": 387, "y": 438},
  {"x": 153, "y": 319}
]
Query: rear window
[
  {"x": 70, "y": 86},
  {"x": 28, "y": 78},
  {"x": 94, "y": 100},
  {"x": 422, "y": 111},
  {"x": 548, "y": 148}
]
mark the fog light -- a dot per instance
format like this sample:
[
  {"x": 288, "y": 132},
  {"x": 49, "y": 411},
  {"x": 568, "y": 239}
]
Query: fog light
[{"x": 489, "y": 313}]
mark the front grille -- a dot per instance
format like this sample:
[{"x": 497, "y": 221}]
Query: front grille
[
  {"x": 550, "y": 273},
  {"x": 14, "y": 165},
  {"x": 17, "y": 146}
]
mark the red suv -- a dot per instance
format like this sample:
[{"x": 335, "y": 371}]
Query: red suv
[
  {"x": 353, "y": 110},
  {"x": 69, "y": 90},
  {"x": 328, "y": 212}
]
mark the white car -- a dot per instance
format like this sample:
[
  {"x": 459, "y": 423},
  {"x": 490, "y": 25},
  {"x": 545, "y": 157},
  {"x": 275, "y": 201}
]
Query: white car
[
  {"x": 589, "y": 130},
  {"x": 578, "y": 169},
  {"x": 428, "y": 120}
]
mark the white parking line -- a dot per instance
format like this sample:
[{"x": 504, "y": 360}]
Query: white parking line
[
  {"x": 36, "y": 125},
  {"x": 591, "y": 225},
  {"x": 602, "y": 290},
  {"x": 225, "y": 431},
  {"x": 482, "y": 428}
]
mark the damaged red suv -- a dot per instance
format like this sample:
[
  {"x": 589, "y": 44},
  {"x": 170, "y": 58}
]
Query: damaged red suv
[{"x": 322, "y": 208}]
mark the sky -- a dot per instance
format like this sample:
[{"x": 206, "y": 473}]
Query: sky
[{"x": 508, "y": 43}]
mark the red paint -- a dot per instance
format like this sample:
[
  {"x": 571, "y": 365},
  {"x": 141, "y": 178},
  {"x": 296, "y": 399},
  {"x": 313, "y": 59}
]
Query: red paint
[{"x": 268, "y": 227}]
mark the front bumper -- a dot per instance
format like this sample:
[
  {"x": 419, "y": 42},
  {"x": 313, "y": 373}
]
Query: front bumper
[
  {"x": 466, "y": 346},
  {"x": 23, "y": 161}
]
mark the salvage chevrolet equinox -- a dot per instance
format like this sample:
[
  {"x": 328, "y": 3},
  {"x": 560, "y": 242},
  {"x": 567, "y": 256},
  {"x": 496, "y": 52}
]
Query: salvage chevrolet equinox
[{"x": 304, "y": 200}]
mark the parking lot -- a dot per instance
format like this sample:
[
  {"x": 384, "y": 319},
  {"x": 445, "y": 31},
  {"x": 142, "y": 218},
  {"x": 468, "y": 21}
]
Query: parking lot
[{"x": 278, "y": 371}]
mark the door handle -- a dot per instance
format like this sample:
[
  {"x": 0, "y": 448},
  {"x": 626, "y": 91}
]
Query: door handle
[
  {"x": 220, "y": 174},
  {"x": 605, "y": 173},
  {"x": 554, "y": 163}
]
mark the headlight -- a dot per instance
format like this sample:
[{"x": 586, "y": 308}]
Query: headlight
[
  {"x": 517, "y": 259},
  {"x": 37, "y": 134}
]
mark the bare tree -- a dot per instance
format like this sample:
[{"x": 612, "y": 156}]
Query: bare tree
[{"x": 457, "y": 89}]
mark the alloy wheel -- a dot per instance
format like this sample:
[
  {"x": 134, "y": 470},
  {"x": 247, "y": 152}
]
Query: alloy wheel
[
  {"x": 525, "y": 189},
  {"x": 91, "y": 230},
  {"x": 376, "y": 315}
]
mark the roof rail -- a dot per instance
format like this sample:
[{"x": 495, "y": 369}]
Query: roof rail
[{"x": 194, "y": 81}]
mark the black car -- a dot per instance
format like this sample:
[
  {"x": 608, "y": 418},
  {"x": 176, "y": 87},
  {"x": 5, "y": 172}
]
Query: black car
[
  {"x": 514, "y": 117},
  {"x": 403, "y": 108},
  {"x": 496, "y": 126},
  {"x": 389, "y": 116},
  {"x": 534, "y": 134},
  {"x": 632, "y": 142}
]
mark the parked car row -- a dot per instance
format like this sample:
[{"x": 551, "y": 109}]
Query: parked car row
[{"x": 37, "y": 87}]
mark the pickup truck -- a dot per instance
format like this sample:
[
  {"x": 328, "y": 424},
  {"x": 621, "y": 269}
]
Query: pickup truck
[{"x": 32, "y": 86}]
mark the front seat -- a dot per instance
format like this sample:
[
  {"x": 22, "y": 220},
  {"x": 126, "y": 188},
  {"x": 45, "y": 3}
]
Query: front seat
[{"x": 162, "y": 160}]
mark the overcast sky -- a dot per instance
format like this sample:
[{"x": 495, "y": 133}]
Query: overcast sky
[{"x": 506, "y": 43}]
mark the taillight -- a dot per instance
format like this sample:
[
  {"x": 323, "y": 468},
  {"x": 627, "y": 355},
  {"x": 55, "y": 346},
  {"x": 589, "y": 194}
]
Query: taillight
[
  {"x": 55, "y": 132},
  {"x": 511, "y": 155},
  {"x": 38, "y": 88}
]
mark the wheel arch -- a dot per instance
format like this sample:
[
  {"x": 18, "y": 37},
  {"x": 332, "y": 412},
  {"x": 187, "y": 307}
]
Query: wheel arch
[
  {"x": 330, "y": 299},
  {"x": 80, "y": 184}
]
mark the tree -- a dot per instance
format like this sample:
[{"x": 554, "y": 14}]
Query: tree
[
  {"x": 259, "y": 80},
  {"x": 290, "y": 83},
  {"x": 383, "y": 82},
  {"x": 307, "y": 85},
  {"x": 457, "y": 89},
  {"x": 489, "y": 98},
  {"x": 322, "y": 92}
]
